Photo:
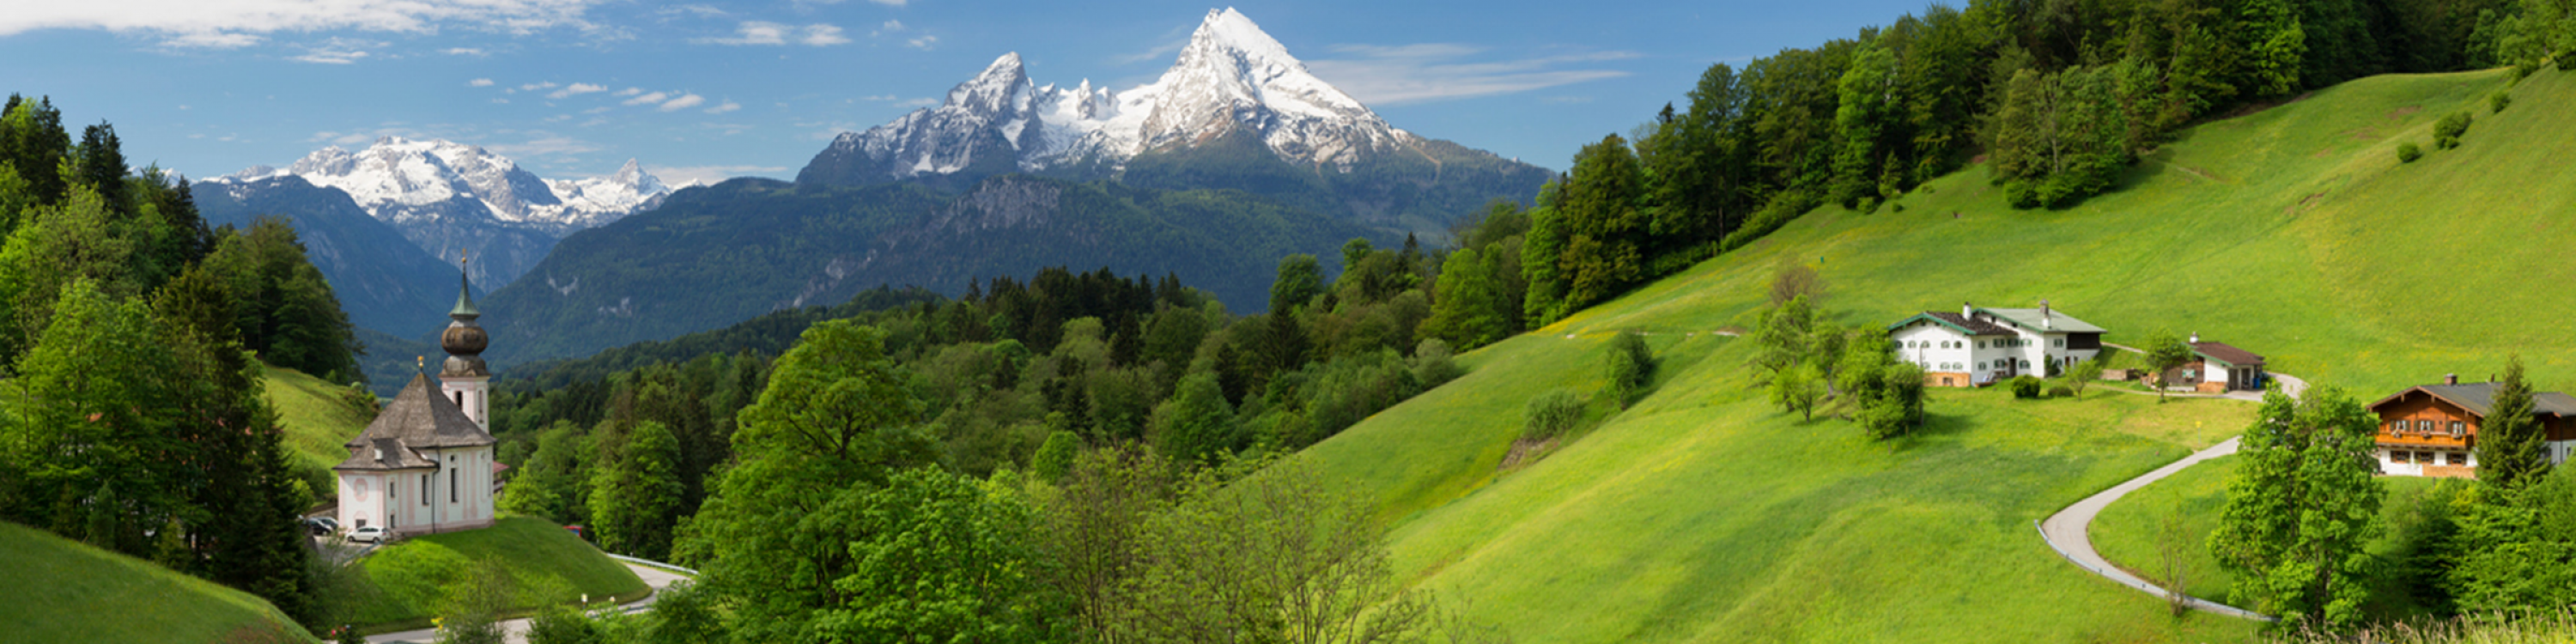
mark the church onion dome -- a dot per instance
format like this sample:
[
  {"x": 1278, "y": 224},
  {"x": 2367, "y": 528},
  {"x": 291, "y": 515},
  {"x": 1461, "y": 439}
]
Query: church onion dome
[{"x": 464, "y": 340}]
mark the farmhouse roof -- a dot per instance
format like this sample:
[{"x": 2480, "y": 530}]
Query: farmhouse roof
[
  {"x": 2479, "y": 397},
  {"x": 1970, "y": 326},
  {"x": 2058, "y": 321},
  {"x": 2221, "y": 352},
  {"x": 416, "y": 419}
]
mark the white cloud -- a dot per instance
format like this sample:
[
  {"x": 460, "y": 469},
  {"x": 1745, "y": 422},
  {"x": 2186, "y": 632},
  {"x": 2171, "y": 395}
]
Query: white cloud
[
  {"x": 598, "y": 110},
  {"x": 655, "y": 97},
  {"x": 923, "y": 43},
  {"x": 479, "y": 82},
  {"x": 464, "y": 51},
  {"x": 576, "y": 89},
  {"x": 1389, "y": 75},
  {"x": 756, "y": 32},
  {"x": 212, "y": 40},
  {"x": 698, "y": 9},
  {"x": 707, "y": 174},
  {"x": 728, "y": 106},
  {"x": 822, "y": 35},
  {"x": 329, "y": 55},
  {"x": 890, "y": 3},
  {"x": 546, "y": 145},
  {"x": 899, "y": 101},
  {"x": 890, "y": 26},
  {"x": 682, "y": 103},
  {"x": 631, "y": 91},
  {"x": 536, "y": 86},
  {"x": 501, "y": 101},
  {"x": 1158, "y": 52},
  {"x": 198, "y": 22}
]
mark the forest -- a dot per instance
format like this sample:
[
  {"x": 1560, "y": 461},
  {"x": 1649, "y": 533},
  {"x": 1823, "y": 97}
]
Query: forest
[{"x": 134, "y": 417}]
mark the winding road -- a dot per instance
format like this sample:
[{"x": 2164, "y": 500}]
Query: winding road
[{"x": 2069, "y": 532}]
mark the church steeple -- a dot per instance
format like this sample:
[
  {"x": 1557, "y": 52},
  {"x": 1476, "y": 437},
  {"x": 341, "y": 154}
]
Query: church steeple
[{"x": 463, "y": 375}]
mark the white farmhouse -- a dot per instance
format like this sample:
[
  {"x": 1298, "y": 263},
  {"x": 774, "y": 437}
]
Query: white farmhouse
[
  {"x": 425, "y": 464},
  {"x": 1979, "y": 346}
]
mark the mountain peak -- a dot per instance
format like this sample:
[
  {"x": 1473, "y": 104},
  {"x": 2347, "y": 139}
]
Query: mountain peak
[{"x": 1229, "y": 29}]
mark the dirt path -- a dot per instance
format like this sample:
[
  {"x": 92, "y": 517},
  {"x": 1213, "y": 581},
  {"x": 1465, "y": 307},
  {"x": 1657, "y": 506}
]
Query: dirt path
[{"x": 2069, "y": 533}]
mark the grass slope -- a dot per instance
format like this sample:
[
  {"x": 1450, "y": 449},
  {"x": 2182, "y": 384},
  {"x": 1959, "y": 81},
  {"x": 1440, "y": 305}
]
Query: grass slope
[
  {"x": 1704, "y": 514},
  {"x": 69, "y": 592},
  {"x": 318, "y": 420},
  {"x": 406, "y": 582}
]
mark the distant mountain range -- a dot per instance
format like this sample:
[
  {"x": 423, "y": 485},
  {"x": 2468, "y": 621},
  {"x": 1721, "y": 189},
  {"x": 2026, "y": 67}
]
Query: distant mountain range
[
  {"x": 448, "y": 197},
  {"x": 1231, "y": 160}
]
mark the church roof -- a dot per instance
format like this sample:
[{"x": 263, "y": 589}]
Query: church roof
[{"x": 417, "y": 419}]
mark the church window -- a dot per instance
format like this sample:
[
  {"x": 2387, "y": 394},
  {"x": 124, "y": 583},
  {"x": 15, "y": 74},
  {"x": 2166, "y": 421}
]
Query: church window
[{"x": 424, "y": 489}]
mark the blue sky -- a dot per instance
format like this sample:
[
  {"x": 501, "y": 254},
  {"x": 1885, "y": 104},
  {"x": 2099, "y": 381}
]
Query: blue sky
[{"x": 573, "y": 88}]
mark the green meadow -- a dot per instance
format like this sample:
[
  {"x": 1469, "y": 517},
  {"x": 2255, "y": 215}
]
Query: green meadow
[
  {"x": 1704, "y": 514},
  {"x": 317, "y": 418},
  {"x": 407, "y": 583}
]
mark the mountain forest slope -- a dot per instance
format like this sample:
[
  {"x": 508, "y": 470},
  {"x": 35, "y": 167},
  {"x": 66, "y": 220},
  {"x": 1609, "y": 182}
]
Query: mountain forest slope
[
  {"x": 76, "y": 593},
  {"x": 1703, "y": 512},
  {"x": 719, "y": 255}
]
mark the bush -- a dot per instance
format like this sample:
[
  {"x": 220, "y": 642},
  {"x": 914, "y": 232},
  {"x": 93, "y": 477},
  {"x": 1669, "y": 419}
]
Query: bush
[
  {"x": 2025, "y": 387},
  {"x": 1551, "y": 414},
  {"x": 2408, "y": 152},
  {"x": 2498, "y": 101},
  {"x": 2061, "y": 391},
  {"x": 2447, "y": 132},
  {"x": 1630, "y": 363},
  {"x": 1433, "y": 365}
]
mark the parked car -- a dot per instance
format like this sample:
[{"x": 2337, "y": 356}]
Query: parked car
[
  {"x": 369, "y": 534},
  {"x": 321, "y": 526}
]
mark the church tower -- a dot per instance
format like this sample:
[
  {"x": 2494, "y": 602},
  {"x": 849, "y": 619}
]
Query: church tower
[{"x": 463, "y": 377}]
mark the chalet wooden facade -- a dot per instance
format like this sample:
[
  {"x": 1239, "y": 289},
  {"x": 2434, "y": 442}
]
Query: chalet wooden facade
[
  {"x": 1981, "y": 346},
  {"x": 2432, "y": 430}
]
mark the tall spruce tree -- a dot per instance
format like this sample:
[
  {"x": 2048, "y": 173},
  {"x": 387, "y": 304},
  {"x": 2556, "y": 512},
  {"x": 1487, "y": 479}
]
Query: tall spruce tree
[{"x": 2511, "y": 441}]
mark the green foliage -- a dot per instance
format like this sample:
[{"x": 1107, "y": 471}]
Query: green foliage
[
  {"x": 1627, "y": 365},
  {"x": 2515, "y": 551},
  {"x": 1603, "y": 226},
  {"x": 635, "y": 495},
  {"x": 2165, "y": 353},
  {"x": 1797, "y": 389},
  {"x": 2407, "y": 152},
  {"x": 1197, "y": 425},
  {"x": 1433, "y": 364},
  {"x": 2027, "y": 386},
  {"x": 474, "y": 602},
  {"x": 554, "y": 482},
  {"x": 2301, "y": 508},
  {"x": 2447, "y": 132},
  {"x": 2512, "y": 446},
  {"x": 408, "y": 582},
  {"x": 933, "y": 557},
  {"x": 1055, "y": 458},
  {"x": 1300, "y": 279},
  {"x": 1279, "y": 556},
  {"x": 92, "y": 595},
  {"x": 2498, "y": 101},
  {"x": 2061, "y": 391},
  {"x": 2083, "y": 375},
  {"x": 1551, "y": 414}
]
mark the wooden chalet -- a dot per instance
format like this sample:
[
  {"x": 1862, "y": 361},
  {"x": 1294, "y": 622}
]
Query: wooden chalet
[{"x": 2432, "y": 430}]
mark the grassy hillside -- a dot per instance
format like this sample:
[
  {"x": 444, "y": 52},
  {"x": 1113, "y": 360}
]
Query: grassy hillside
[
  {"x": 1702, "y": 513},
  {"x": 405, "y": 582},
  {"x": 69, "y": 592},
  {"x": 318, "y": 419}
]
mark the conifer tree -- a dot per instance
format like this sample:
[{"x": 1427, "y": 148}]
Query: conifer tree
[{"x": 2511, "y": 443}]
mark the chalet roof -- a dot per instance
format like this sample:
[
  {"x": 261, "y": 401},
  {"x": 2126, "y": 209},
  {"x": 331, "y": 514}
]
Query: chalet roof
[
  {"x": 1969, "y": 326},
  {"x": 2059, "y": 321},
  {"x": 2478, "y": 397},
  {"x": 2231, "y": 355},
  {"x": 416, "y": 419}
]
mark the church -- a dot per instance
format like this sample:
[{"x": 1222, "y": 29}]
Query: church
[{"x": 425, "y": 465}]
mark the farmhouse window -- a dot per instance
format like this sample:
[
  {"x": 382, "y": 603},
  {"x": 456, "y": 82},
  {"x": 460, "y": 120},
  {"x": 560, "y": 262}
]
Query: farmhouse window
[
  {"x": 2457, "y": 427},
  {"x": 2458, "y": 458},
  {"x": 2057, "y": 342},
  {"x": 1981, "y": 344},
  {"x": 2424, "y": 427}
]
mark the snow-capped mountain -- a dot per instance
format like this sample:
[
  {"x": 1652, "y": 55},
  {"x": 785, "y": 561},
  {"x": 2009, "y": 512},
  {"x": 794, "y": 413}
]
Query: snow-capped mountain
[
  {"x": 449, "y": 197},
  {"x": 1232, "y": 78}
]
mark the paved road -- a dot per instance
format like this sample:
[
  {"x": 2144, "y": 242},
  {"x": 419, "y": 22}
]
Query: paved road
[
  {"x": 517, "y": 629},
  {"x": 2069, "y": 530}
]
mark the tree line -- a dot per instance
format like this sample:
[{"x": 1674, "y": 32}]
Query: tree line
[
  {"x": 2057, "y": 98},
  {"x": 131, "y": 408}
]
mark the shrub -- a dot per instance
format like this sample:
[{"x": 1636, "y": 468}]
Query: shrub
[
  {"x": 2498, "y": 101},
  {"x": 2061, "y": 391},
  {"x": 1630, "y": 363},
  {"x": 1551, "y": 414},
  {"x": 2408, "y": 152},
  {"x": 2447, "y": 132},
  {"x": 1433, "y": 365},
  {"x": 2025, "y": 387}
]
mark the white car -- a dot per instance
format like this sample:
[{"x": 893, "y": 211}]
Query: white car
[{"x": 369, "y": 534}]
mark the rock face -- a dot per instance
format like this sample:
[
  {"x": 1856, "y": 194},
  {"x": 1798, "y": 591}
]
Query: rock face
[
  {"x": 1231, "y": 77},
  {"x": 448, "y": 197}
]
